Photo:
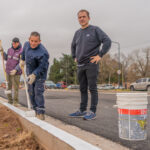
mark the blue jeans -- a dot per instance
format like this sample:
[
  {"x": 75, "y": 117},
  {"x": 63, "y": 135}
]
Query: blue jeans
[
  {"x": 87, "y": 76},
  {"x": 36, "y": 91}
]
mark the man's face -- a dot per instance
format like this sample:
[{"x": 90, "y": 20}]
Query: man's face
[
  {"x": 83, "y": 19},
  {"x": 34, "y": 41},
  {"x": 15, "y": 44}
]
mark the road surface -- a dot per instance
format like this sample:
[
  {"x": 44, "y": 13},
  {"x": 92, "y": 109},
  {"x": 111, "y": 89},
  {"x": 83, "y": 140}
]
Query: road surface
[{"x": 60, "y": 103}]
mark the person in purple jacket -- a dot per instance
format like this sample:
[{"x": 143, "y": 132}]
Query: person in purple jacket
[{"x": 13, "y": 69}]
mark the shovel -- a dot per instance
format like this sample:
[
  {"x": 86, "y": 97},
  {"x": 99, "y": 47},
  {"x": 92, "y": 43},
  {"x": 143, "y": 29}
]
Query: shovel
[
  {"x": 5, "y": 75},
  {"x": 30, "y": 112}
]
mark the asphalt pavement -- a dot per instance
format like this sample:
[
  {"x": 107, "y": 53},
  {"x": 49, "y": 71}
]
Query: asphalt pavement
[{"x": 60, "y": 103}]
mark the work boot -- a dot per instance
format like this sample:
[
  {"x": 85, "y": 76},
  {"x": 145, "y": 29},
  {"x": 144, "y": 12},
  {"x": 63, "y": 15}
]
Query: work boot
[
  {"x": 40, "y": 116},
  {"x": 16, "y": 104},
  {"x": 10, "y": 101}
]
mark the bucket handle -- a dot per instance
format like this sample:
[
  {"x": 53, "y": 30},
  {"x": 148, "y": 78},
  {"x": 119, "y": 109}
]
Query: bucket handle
[{"x": 116, "y": 106}]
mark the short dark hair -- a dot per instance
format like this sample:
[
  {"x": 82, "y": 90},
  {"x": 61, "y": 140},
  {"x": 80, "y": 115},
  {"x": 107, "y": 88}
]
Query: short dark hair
[
  {"x": 15, "y": 40},
  {"x": 34, "y": 33},
  {"x": 84, "y": 10}
]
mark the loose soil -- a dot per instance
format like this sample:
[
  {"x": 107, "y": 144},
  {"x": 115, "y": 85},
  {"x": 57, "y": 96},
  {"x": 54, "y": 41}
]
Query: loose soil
[{"x": 12, "y": 134}]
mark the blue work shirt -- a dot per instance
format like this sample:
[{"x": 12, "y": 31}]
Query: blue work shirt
[{"x": 36, "y": 60}]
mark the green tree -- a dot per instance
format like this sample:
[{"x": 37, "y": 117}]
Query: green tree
[
  {"x": 69, "y": 69},
  {"x": 55, "y": 74},
  {"x": 63, "y": 70}
]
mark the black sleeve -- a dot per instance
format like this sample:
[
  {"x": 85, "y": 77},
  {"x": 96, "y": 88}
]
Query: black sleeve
[
  {"x": 105, "y": 40},
  {"x": 73, "y": 47}
]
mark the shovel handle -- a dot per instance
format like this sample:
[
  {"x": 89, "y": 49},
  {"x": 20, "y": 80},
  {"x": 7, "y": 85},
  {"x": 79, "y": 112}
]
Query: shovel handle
[
  {"x": 26, "y": 87},
  {"x": 5, "y": 75}
]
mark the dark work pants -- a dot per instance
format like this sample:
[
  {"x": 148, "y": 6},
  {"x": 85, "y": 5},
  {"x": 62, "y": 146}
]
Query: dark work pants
[
  {"x": 13, "y": 81},
  {"x": 36, "y": 91},
  {"x": 87, "y": 76}
]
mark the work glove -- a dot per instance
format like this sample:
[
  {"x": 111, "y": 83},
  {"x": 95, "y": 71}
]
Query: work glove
[
  {"x": 21, "y": 63},
  {"x": 1, "y": 49},
  {"x": 31, "y": 78},
  {"x": 13, "y": 72}
]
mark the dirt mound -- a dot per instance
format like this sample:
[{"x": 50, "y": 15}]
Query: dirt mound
[{"x": 12, "y": 134}]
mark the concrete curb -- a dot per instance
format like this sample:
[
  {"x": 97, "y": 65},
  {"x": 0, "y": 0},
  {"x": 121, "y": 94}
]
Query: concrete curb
[{"x": 50, "y": 136}]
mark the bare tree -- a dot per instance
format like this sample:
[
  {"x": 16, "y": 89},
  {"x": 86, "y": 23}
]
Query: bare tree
[
  {"x": 133, "y": 66},
  {"x": 108, "y": 69},
  {"x": 140, "y": 66},
  {"x": 126, "y": 61}
]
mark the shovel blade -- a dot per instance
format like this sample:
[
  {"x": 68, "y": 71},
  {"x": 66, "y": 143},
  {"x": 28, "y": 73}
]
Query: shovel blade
[
  {"x": 7, "y": 92},
  {"x": 30, "y": 113}
]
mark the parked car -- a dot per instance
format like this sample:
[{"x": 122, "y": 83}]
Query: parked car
[
  {"x": 73, "y": 86},
  {"x": 3, "y": 84},
  {"x": 141, "y": 84},
  {"x": 105, "y": 87},
  {"x": 61, "y": 85},
  {"x": 119, "y": 87},
  {"x": 50, "y": 85},
  {"x": 58, "y": 85}
]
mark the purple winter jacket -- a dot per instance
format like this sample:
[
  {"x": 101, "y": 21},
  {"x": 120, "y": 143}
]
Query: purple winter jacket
[{"x": 13, "y": 58}]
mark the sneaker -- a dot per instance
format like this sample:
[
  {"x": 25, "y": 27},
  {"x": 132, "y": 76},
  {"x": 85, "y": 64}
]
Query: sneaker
[
  {"x": 89, "y": 116},
  {"x": 40, "y": 116},
  {"x": 78, "y": 114}
]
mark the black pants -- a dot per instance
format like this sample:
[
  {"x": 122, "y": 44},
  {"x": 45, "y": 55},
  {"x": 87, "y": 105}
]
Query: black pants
[{"x": 87, "y": 76}]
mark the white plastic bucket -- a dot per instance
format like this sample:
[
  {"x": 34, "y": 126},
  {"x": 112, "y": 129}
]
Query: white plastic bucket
[{"x": 132, "y": 112}]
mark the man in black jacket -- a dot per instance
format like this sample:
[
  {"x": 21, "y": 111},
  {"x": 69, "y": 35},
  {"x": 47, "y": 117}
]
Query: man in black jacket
[{"x": 86, "y": 52}]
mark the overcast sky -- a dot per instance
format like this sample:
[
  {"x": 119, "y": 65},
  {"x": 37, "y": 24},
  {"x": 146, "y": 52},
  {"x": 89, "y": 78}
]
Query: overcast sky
[{"x": 125, "y": 21}]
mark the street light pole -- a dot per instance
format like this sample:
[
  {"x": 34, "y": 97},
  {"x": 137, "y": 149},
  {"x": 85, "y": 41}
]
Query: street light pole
[
  {"x": 119, "y": 71},
  {"x": 66, "y": 70}
]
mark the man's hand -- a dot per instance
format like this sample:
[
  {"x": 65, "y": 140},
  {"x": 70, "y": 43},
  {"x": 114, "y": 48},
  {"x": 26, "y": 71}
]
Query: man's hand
[
  {"x": 95, "y": 59},
  {"x": 75, "y": 60},
  {"x": 13, "y": 72},
  {"x": 31, "y": 78},
  {"x": 21, "y": 63}
]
